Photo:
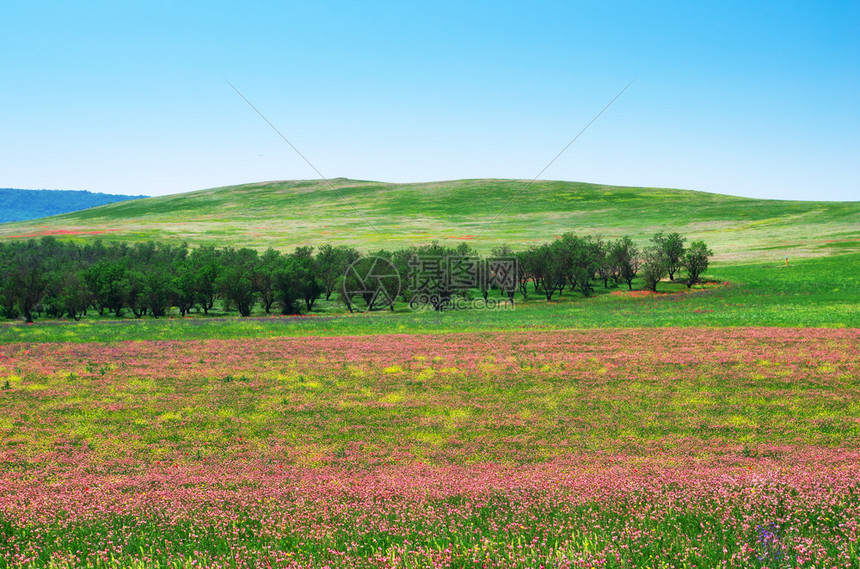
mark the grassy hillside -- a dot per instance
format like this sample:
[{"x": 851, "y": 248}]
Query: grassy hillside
[{"x": 286, "y": 214}]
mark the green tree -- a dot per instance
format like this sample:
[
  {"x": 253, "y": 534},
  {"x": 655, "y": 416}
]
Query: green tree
[
  {"x": 370, "y": 280},
  {"x": 498, "y": 271},
  {"x": 526, "y": 272},
  {"x": 288, "y": 292},
  {"x": 331, "y": 266},
  {"x": 134, "y": 282},
  {"x": 549, "y": 266},
  {"x": 265, "y": 277},
  {"x": 580, "y": 261},
  {"x": 205, "y": 265},
  {"x": 74, "y": 297},
  {"x": 625, "y": 256},
  {"x": 157, "y": 291},
  {"x": 401, "y": 259},
  {"x": 654, "y": 266},
  {"x": 236, "y": 278},
  {"x": 428, "y": 276},
  {"x": 307, "y": 279},
  {"x": 184, "y": 287},
  {"x": 107, "y": 284},
  {"x": 695, "y": 261},
  {"x": 27, "y": 278},
  {"x": 604, "y": 265},
  {"x": 672, "y": 246}
]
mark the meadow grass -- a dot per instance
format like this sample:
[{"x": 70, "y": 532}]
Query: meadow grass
[
  {"x": 286, "y": 214},
  {"x": 616, "y": 448},
  {"x": 448, "y": 398}
]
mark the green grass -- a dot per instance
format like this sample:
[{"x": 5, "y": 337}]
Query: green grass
[
  {"x": 817, "y": 292},
  {"x": 286, "y": 214}
]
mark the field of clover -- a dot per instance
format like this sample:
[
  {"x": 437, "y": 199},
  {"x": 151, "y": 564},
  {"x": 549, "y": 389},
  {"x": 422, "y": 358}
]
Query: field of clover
[{"x": 642, "y": 447}]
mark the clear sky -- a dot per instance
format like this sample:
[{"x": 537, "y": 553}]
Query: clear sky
[{"x": 748, "y": 98}]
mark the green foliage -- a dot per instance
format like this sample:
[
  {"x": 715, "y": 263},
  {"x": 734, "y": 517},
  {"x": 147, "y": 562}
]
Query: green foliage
[
  {"x": 205, "y": 266},
  {"x": 696, "y": 260},
  {"x": 25, "y": 269},
  {"x": 331, "y": 265},
  {"x": 656, "y": 261},
  {"x": 236, "y": 279},
  {"x": 97, "y": 280},
  {"x": 105, "y": 282},
  {"x": 183, "y": 284},
  {"x": 757, "y": 294},
  {"x": 672, "y": 251},
  {"x": 304, "y": 273},
  {"x": 368, "y": 284},
  {"x": 625, "y": 258}
]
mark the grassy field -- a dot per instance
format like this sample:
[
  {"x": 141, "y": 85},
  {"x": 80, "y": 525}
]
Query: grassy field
[
  {"x": 620, "y": 448},
  {"x": 373, "y": 215},
  {"x": 712, "y": 427}
]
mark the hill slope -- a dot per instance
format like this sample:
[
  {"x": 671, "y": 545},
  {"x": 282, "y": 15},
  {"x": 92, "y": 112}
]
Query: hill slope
[
  {"x": 484, "y": 213},
  {"x": 23, "y": 205}
]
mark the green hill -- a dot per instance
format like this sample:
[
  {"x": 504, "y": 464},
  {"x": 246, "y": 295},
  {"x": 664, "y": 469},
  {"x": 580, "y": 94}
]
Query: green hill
[{"x": 372, "y": 215}]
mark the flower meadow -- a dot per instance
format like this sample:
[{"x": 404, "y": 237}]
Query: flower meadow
[{"x": 658, "y": 447}]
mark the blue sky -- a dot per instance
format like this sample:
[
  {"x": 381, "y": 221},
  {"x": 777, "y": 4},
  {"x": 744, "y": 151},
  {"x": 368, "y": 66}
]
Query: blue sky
[{"x": 754, "y": 99}]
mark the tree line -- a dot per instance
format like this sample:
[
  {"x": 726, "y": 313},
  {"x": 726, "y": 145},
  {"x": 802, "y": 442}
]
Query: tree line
[{"x": 67, "y": 280}]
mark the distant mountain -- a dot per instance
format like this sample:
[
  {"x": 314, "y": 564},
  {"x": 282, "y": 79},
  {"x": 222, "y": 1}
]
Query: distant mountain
[{"x": 23, "y": 205}]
